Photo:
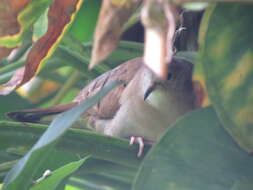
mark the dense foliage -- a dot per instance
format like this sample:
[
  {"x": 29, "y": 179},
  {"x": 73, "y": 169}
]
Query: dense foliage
[{"x": 208, "y": 148}]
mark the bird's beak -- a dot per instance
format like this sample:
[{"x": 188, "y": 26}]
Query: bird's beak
[{"x": 150, "y": 90}]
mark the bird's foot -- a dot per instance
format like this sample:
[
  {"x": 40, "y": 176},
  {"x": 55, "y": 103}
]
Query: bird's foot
[{"x": 140, "y": 141}]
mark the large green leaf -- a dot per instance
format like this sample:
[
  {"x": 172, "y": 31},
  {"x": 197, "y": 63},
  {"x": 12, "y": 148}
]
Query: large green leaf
[
  {"x": 75, "y": 141},
  {"x": 195, "y": 154},
  {"x": 20, "y": 176},
  {"x": 20, "y": 103},
  {"x": 116, "y": 160},
  {"x": 227, "y": 58},
  {"x": 57, "y": 176},
  {"x": 244, "y": 184},
  {"x": 84, "y": 24}
]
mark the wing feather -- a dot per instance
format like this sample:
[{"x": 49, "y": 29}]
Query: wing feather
[{"x": 109, "y": 105}]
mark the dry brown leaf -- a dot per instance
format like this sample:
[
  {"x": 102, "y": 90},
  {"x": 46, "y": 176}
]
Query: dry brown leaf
[
  {"x": 59, "y": 16},
  {"x": 112, "y": 17},
  {"x": 9, "y": 10},
  {"x": 4, "y": 52}
]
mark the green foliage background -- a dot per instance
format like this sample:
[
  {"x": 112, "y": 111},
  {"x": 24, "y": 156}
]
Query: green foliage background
[{"x": 208, "y": 148}]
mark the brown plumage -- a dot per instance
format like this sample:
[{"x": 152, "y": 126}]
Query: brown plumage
[
  {"x": 144, "y": 106},
  {"x": 106, "y": 108}
]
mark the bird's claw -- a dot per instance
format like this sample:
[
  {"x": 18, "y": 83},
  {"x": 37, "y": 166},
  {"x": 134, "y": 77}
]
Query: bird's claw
[{"x": 138, "y": 140}]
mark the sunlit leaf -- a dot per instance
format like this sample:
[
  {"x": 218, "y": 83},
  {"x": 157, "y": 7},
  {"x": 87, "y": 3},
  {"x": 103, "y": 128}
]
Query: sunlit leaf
[
  {"x": 193, "y": 6},
  {"x": 227, "y": 58},
  {"x": 40, "y": 26},
  {"x": 190, "y": 56},
  {"x": 195, "y": 154},
  {"x": 60, "y": 15},
  {"x": 16, "y": 19},
  {"x": 84, "y": 25}
]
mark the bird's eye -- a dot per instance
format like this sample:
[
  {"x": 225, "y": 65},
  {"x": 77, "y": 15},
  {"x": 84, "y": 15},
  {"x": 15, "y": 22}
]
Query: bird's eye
[{"x": 170, "y": 76}]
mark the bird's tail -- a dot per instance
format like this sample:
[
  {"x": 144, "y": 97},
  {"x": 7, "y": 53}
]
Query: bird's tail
[{"x": 39, "y": 115}]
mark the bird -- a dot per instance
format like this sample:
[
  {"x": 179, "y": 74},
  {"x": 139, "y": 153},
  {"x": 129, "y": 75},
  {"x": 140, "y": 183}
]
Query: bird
[{"x": 141, "y": 109}]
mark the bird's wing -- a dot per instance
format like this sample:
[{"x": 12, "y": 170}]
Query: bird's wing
[
  {"x": 106, "y": 108},
  {"x": 109, "y": 105}
]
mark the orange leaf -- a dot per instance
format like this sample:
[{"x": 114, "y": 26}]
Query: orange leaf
[
  {"x": 60, "y": 14},
  {"x": 9, "y": 10}
]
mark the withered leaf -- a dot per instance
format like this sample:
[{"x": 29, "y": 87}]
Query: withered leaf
[
  {"x": 60, "y": 15},
  {"x": 9, "y": 11},
  {"x": 16, "y": 19},
  {"x": 9, "y": 25},
  {"x": 4, "y": 52},
  {"x": 112, "y": 17}
]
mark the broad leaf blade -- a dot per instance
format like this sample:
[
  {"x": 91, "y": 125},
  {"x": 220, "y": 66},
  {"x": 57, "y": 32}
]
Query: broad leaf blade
[
  {"x": 74, "y": 141},
  {"x": 20, "y": 103},
  {"x": 21, "y": 174},
  {"x": 245, "y": 184},
  {"x": 58, "y": 175},
  {"x": 195, "y": 154},
  {"x": 83, "y": 31},
  {"x": 227, "y": 58}
]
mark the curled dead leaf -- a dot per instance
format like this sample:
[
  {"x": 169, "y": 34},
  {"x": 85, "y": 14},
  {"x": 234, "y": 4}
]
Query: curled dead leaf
[
  {"x": 60, "y": 15},
  {"x": 10, "y": 10},
  {"x": 112, "y": 17}
]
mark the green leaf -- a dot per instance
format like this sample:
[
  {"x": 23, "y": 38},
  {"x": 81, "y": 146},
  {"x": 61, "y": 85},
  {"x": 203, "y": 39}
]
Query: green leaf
[
  {"x": 58, "y": 175},
  {"x": 195, "y": 6},
  {"x": 40, "y": 26},
  {"x": 20, "y": 103},
  {"x": 107, "y": 169},
  {"x": 20, "y": 176},
  {"x": 195, "y": 154},
  {"x": 245, "y": 184},
  {"x": 78, "y": 55},
  {"x": 75, "y": 141},
  {"x": 84, "y": 24},
  {"x": 101, "y": 181},
  {"x": 227, "y": 57},
  {"x": 190, "y": 56},
  {"x": 25, "y": 18}
]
